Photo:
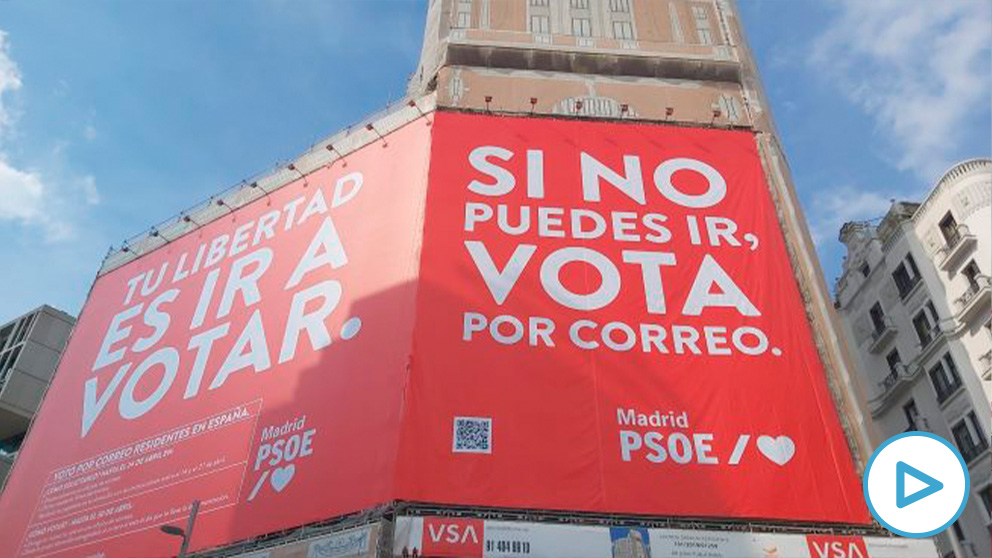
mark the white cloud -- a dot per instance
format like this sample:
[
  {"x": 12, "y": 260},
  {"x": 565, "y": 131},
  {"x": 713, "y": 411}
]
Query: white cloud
[
  {"x": 26, "y": 196},
  {"x": 87, "y": 186},
  {"x": 10, "y": 80},
  {"x": 834, "y": 207},
  {"x": 919, "y": 68}
]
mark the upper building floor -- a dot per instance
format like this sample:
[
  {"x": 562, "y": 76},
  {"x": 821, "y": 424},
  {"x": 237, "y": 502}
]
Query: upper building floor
[
  {"x": 681, "y": 61},
  {"x": 922, "y": 271}
]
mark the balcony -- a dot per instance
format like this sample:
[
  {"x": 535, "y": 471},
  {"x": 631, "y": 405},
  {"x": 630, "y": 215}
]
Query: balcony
[
  {"x": 881, "y": 336},
  {"x": 974, "y": 300},
  {"x": 929, "y": 341},
  {"x": 900, "y": 377},
  {"x": 960, "y": 243}
]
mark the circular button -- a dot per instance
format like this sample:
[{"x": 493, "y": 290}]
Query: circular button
[{"x": 916, "y": 484}]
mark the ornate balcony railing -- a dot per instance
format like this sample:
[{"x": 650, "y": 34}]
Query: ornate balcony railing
[
  {"x": 881, "y": 335},
  {"x": 899, "y": 375},
  {"x": 958, "y": 242},
  {"x": 976, "y": 288}
]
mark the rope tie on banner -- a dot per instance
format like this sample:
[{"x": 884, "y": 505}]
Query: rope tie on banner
[
  {"x": 330, "y": 147},
  {"x": 292, "y": 167},
  {"x": 372, "y": 129}
]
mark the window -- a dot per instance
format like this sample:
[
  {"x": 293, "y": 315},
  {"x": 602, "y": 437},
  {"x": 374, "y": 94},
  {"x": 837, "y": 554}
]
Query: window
[
  {"x": 11, "y": 445},
  {"x": 971, "y": 272},
  {"x": 945, "y": 379},
  {"x": 21, "y": 329},
  {"x": 959, "y": 532},
  {"x": 5, "y": 334},
  {"x": 623, "y": 30},
  {"x": 539, "y": 3},
  {"x": 906, "y": 276},
  {"x": 925, "y": 323},
  {"x": 912, "y": 414},
  {"x": 865, "y": 269},
  {"x": 986, "y": 495},
  {"x": 7, "y": 360},
  {"x": 949, "y": 229},
  {"x": 581, "y": 27},
  {"x": 464, "y": 20},
  {"x": 877, "y": 317},
  {"x": 969, "y": 437},
  {"x": 620, "y": 5},
  {"x": 704, "y": 36},
  {"x": 540, "y": 24},
  {"x": 580, "y": 4},
  {"x": 894, "y": 361},
  {"x": 702, "y": 25},
  {"x": 912, "y": 265}
]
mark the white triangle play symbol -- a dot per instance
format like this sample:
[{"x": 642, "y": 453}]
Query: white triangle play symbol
[{"x": 914, "y": 485}]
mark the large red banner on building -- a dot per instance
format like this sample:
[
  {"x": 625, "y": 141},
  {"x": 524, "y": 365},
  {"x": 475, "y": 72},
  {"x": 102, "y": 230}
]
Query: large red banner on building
[
  {"x": 256, "y": 364},
  {"x": 572, "y": 316},
  {"x": 608, "y": 321}
]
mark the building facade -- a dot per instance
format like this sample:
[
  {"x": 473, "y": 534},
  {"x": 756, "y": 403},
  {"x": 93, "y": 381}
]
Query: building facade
[
  {"x": 677, "y": 67},
  {"x": 914, "y": 296},
  {"x": 30, "y": 347}
]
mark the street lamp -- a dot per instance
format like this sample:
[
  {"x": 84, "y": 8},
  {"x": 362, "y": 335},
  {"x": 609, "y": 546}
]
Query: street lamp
[{"x": 187, "y": 533}]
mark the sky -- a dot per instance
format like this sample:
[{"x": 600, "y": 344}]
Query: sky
[{"x": 115, "y": 115}]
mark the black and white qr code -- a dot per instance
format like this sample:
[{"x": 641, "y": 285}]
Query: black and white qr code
[{"x": 473, "y": 435}]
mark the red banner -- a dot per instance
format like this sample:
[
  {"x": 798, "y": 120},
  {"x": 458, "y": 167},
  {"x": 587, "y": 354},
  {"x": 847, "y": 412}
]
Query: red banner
[
  {"x": 601, "y": 317},
  {"x": 256, "y": 364},
  {"x": 608, "y": 321}
]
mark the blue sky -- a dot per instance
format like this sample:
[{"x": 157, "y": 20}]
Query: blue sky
[{"x": 115, "y": 115}]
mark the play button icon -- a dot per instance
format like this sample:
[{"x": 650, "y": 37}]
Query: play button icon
[
  {"x": 930, "y": 485},
  {"x": 909, "y": 468}
]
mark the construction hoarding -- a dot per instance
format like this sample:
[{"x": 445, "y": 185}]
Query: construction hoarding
[
  {"x": 360, "y": 542},
  {"x": 485, "y": 538}
]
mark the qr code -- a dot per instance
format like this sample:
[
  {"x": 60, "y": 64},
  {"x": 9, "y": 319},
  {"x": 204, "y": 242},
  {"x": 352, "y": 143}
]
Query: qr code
[{"x": 473, "y": 435}]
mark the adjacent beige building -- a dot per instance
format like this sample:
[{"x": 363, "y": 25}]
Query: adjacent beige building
[
  {"x": 915, "y": 300},
  {"x": 30, "y": 347}
]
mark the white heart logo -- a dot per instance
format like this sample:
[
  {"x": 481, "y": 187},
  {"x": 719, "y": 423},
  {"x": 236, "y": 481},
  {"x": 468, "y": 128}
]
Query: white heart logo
[
  {"x": 778, "y": 450},
  {"x": 282, "y": 476}
]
